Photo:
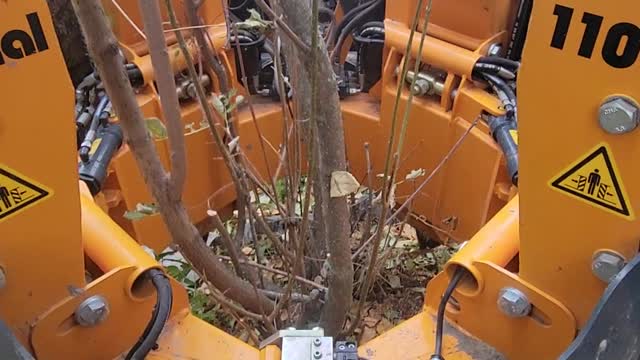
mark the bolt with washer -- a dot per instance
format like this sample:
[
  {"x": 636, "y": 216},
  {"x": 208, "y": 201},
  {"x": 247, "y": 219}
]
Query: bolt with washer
[
  {"x": 513, "y": 302},
  {"x": 92, "y": 311},
  {"x": 607, "y": 264},
  {"x": 619, "y": 115}
]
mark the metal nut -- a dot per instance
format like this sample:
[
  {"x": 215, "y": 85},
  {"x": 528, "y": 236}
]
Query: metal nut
[
  {"x": 513, "y": 302},
  {"x": 317, "y": 354},
  {"x": 421, "y": 87},
  {"x": 606, "y": 265},
  {"x": 317, "y": 342},
  {"x": 93, "y": 311},
  {"x": 619, "y": 115}
]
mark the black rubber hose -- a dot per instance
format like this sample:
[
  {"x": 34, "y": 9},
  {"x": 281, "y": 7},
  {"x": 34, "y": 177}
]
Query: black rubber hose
[
  {"x": 492, "y": 69},
  {"x": 520, "y": 29},
  {"x": 375, "y": 24},
  {"x": 500, "y": 86},
  {"x": 457, "y": 276},
  {"x": 346, "y": 19},
  {"x": 90, "y": 136},
  {"x": 372, "y": 30},
  {"x": 370, "y": 35},
  {"x": 329, "y": 15},
  {"x": 500, "y": 61},
  {"x": 348, "y": 29},
  {"x": 158, "y": 319},
  {"x": 501, "y": 129}
]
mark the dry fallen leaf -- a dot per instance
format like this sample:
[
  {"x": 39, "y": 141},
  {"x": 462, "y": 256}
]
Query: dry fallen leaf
[
  {"x": 414, "y": 174},
  {"x": 394, "y": 281},
  {"x": 343, "y": 184}
]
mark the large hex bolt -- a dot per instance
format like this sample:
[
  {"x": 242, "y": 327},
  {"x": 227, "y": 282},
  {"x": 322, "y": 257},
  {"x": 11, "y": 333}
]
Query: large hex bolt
[
  {"x": 606, "y": 265},
  {"x": 421, "y": 87},
  {"x": 513, "y": 302},
  {"x": 619, "y": 115},
  {"x": 93, "y": 311}
]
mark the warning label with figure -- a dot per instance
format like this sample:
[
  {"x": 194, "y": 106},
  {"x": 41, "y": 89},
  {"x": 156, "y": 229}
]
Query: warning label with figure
[
  {"x": 595, "y": 180},
  {"x": 18, "y": 192}
]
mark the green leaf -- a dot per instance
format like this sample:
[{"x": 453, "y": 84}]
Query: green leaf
[
  {"x": 281, "y": 189},
  {"x": 173, "y": 271},
  {"x": 134, "y": 215},
  {"x": 141, "y": 211},
  {"x": 156, "y": 128},
  {"x": 255, "y": 22},
  {"x": 218, "y": 104},
  {"x": 199, "y": 302}
]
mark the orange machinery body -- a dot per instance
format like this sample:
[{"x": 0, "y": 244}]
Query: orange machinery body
[{"x": 540, "y": 241}]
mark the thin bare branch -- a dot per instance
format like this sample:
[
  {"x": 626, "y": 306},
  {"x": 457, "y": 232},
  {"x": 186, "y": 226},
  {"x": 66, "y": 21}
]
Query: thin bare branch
[
  {"x": 152, "y": 18},
  {"x": 366, "y": 230},
  {"x": 228, "y": 243},
  {"x": 284, "y": 27},
  {"x": 126, "y": 16},
  {"x": 418, "y": 190},
  {"x": 105, "y": 52},
  {"x": 279, "y": 272}
]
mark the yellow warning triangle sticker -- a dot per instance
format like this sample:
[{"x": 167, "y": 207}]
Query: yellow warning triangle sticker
[
  {"x": 18, "y": 192},
  {"x": 595, "y": 180}
]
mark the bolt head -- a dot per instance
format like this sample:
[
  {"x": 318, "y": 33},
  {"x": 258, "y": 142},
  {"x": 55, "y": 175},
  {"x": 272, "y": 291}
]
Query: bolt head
[
  {"x": 421, "y": 87},
  {"x": 513, "y": 302},
  {"x": 619, "y": 115},
  {"x": 606, "y": 265},
  {"x": 92, "y": 311}
]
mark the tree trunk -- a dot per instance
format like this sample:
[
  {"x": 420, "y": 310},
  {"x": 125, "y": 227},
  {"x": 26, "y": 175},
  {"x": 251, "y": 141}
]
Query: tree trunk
[
  {"x": 105, "y": 52},
  {"x": 70, "y": 39},
  {"x": 331, "y": 215}
]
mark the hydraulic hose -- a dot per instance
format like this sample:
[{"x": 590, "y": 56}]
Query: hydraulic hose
[
  {"x": 495, "y": 70},
  {"x": 502, "y": 129},
  {"x": 85, "y": 147},
  {"x": 457, "y": 276},
  {"x": 94, "y": 172},
  {"x": 520, "y": 29},
  {"x": 158, "y": 319},
  {"x": 370, "y": 34},
  {"x": 348, "y": 29},
  {"x": 88, "y": 82},
  {"x": 500, "y": 61},
  {"x": 346, "y": 19},
  {"x": 505, "y": 92}
]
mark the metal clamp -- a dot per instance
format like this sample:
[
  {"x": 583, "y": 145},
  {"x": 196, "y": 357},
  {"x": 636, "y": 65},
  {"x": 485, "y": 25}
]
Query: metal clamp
[{"x": 302, "y": 344}]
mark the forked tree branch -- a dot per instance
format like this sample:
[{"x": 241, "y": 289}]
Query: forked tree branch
[{"x": 104, "y": 49}]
